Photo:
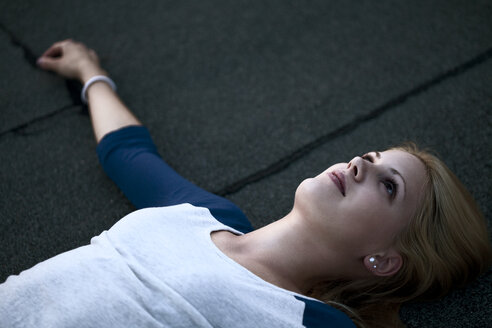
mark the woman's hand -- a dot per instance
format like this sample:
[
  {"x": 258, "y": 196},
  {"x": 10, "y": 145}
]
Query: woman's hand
[{"x": 71, "y": 60}]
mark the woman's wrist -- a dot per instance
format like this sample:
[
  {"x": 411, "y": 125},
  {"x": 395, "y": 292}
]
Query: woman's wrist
[
  {"x": 88, "y": 73},
  {"x": 91, "y": 81}
]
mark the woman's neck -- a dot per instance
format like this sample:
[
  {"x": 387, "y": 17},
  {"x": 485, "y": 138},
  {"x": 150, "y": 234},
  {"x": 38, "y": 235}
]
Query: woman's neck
[{"x": 282, "y": 253}]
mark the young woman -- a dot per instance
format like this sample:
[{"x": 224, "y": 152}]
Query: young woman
[{"x": 362, "y": 238}]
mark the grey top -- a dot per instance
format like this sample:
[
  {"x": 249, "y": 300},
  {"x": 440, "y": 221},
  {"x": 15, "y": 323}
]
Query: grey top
[{"x": 156, "y": 267}]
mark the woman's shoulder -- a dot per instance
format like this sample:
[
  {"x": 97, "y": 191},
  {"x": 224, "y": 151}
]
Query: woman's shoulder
[{"x": 165, "y": 218}]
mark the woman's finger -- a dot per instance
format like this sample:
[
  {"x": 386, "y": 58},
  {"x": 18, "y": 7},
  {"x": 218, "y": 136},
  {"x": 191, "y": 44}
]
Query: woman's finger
[
  {"x": 59, "y": 44},
  {"x": 47, "y": 63},
  {"x": 50, "y": 49},
  {"x": 53, "y": 52}
]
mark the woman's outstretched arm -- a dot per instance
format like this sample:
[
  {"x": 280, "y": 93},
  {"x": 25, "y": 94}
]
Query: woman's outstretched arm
[
  {"x": 74, "y": 60},
  {"x": 129, "y": 155}
]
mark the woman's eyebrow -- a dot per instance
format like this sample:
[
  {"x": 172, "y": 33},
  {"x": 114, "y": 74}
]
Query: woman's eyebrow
[{"x": 395, "y": 172}]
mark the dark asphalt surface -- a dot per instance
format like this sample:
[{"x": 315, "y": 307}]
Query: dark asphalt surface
[{"x": 244, "y": 98}]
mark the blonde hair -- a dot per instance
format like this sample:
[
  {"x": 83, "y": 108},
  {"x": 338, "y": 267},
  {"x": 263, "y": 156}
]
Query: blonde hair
[{"x": 445, "y": 245}]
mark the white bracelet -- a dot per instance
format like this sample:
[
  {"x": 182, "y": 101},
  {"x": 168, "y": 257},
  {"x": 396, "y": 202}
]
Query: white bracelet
[{"x": 92, "y": 80}]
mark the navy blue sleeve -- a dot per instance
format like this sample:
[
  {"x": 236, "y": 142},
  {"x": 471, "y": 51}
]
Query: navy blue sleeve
[
  {"x": 320, "y": 315},
  {"x": 130, "y": 158}
]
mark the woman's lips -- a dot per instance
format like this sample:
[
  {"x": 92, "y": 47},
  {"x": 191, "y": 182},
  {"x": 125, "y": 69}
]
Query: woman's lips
[{"x": 339, "y": 179}]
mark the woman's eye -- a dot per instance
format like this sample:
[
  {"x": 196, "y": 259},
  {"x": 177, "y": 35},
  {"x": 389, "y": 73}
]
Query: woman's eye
[
  {"x": 368, "y": 157},
  {"x": 390, "y": 187}
]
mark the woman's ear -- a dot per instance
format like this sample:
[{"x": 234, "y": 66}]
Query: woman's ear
[{"x": 384, "y": 264}]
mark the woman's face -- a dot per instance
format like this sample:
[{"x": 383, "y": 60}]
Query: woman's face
[{"x": 360, "y": 206}]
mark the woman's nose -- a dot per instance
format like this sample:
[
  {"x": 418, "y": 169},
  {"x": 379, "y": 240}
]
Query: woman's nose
[{"x": 356, "y": 168}]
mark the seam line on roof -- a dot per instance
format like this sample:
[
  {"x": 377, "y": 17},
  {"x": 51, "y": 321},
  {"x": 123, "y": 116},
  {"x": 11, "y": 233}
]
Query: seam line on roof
[
  {"x": 302, "y": 151},
  {"x": 73, "y": 86},
  {"x": 21, "y": 127},
  {"x": 29, "y": 56}
]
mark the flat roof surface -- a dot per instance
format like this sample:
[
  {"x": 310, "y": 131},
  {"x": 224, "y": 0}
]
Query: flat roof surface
[{"x": 246, "y": 99}]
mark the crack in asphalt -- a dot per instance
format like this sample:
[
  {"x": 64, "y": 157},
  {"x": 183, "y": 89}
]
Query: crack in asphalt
[
  {"x": 73, "y": 87},
  {"x": 29, "y": 55},
  {"x": 20, "y": 129},
  {"x": 302, "y": 151}
]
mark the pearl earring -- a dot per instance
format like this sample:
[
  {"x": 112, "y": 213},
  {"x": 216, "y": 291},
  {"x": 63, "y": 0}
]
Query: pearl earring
[{"x": 372, "y": 260}]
